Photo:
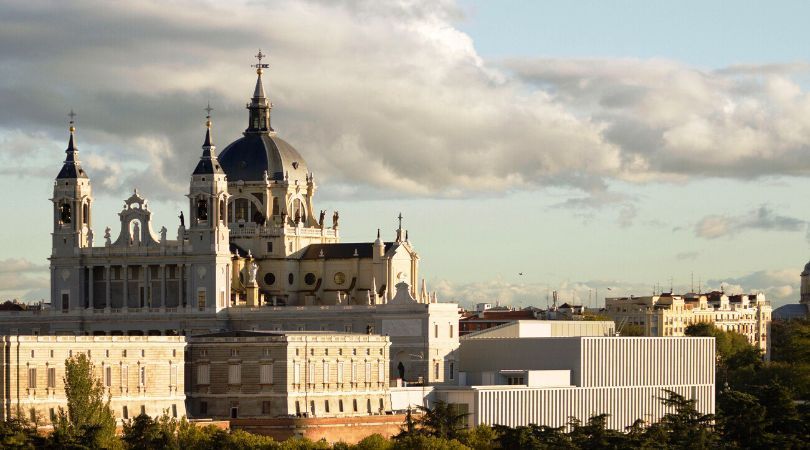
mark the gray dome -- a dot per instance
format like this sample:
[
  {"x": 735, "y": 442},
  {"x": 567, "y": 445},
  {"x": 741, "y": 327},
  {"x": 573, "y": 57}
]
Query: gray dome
[
  {"x": 248, "y": 157},
  {"x": 806, "y": 270}
]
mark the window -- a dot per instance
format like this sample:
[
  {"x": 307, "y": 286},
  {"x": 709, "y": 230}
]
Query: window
[
  {"x": 297, "y": 408},
  {"x": 340, "y": 372},
  {"x": 266, "y": 374},
  {"x": 203, "y": 353},
  {"x": 269, "y": 278},
  {"x": 382, "y": 406},
  {"x": 123, "y": 353},
  {"x": 270, "y": 250},
  {"x": 143, "y": 410},
  {"x": 368, "y": 372},
  {"x": 326, "y": 406},
  {"x": 234, "y": 412},
  {"x": 51, "y": 354},
  {"x": 201, "y": 299},
  {"x": 368, "y": 406},
  {"x": 143, "y": 353},
  {"x": 124, "y": 377},
  {"x": 311, "y": 379},
  {"x": 436, "y": 371},
  {"x": 32, "y": 378},
  {"x": 340, "y": 405},
  {"x": 450, "y": 370},
  {"x": 173, "y": 375},
  {"x": 125, "y": 412},
  {"x": 52, "y": 414},
  {"x": 266, "y": 407},
  {"x": 354, "y": 403},
  {"x": 436, "y": 330},
  {"x": 347, "y": 328},
  {"x": 380, "y": 372},
  {"x": 354, "y": 372},
  {"x": 32, "y": 353},
  {"x": 312, "y": 407},
  {"x": 451, "y": 331},
  {"x": 174, "y": 410},
  {"x": 107, "y": 353},
  {"x": 234, "y": 374},
  {"x": 203, "y": 374},
  {"x": 203, "y": 407},
  {"x": 234, "y": 353},
  {"x": 108, "y": 376},
  {"x": 65, "y": 302},
  {"x": 515, "y": 380},
  {"x": 326, "y": 372},
  {"x": 142, "y": 377},
  {"x": 297, "y": 373},
  {"x": 52, "y": 377}
]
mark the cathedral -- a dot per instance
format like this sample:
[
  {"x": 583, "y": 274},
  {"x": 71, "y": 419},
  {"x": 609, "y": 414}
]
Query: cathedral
[{"x": 251, "y": 237}]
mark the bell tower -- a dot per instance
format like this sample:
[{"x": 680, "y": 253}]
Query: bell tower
[
  {"x": 208, "y": 235},
  {"x": 208, "y": 201},
  {"x": 72, "y": 201}
]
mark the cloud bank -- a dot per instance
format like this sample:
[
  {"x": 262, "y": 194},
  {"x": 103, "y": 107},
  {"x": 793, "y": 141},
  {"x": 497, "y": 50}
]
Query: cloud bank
[{"x": 380, "y": 97}]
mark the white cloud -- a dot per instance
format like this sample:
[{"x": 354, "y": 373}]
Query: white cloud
[{"x": 762, "y": 218}]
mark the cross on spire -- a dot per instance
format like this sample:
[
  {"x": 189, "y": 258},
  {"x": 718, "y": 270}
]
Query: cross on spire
[
  {"x": 72, "y": 116},
  {"x": 208, "y": 110},
  {"x": 400, "y": 220},
  {"x": 260, "y": 65}
]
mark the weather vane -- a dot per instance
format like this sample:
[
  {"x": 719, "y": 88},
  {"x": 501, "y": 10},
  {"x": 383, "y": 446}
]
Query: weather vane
[{"x": 260, "y": 56}]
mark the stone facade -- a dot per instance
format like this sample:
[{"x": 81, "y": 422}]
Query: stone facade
[
  {"x": 669, "y": 315},
  {"x": 279, "y": 374},
  {"x": 141, "y": 373}
]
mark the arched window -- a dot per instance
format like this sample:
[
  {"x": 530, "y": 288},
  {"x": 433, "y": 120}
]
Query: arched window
[
  {"x": 242, "y": 209},
  {"x": 299, "y": 213},
  {"x": 85, "y": 213},
  {"x": 222, "y": 214},
  {"x": 65, "y": 214},
  {"x": 202, "y": 210}
]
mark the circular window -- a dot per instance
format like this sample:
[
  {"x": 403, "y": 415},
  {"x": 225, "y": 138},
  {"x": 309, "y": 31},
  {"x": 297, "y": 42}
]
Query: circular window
[
  {"x": 340, "y": 278},
  {"x": 309, "y": 279},
  {"x": 290, "y": 278},
  {"x": 269, "y": 278}
]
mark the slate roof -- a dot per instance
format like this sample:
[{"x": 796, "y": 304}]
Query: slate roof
[
  {"x": 342, "y": 250},
  {"x": 791, "y": 311},
  {"x": 248, "y": 157}
]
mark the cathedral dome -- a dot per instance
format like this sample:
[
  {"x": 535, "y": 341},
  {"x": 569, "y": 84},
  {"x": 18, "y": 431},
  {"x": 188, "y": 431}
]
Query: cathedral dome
[{"x": 249, "y": 157}]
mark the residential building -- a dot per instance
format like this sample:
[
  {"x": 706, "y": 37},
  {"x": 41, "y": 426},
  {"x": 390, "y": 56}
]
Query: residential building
[{"x": 669, "y": 315}]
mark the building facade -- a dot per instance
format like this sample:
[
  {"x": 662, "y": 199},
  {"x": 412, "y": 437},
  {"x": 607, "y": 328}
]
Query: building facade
[
  {"x": 250, "y": 252},
  {"x": 547, "y": 380},
  {"x": 670, "y": 315},
  {"x": 246, "y": 374},
  {"x": 142, "y": 374}
]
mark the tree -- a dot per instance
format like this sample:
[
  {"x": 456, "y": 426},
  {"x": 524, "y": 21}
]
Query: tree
[
  {"x": 790, "y": 341},
  {"x": 685, "y": 427},
  {"x": 88, "y": 420},
  {"x": 481, "y": 437},
  {"x": 631, "y": 329},
  {"x": 442, "y": 420},
  {"x": 144, "y": 433},
  {"x": 595, "y": 434},
  {"x": 742, "y": 420}
]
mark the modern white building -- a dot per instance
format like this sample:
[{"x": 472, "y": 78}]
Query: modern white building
[{"x": 518, "y": 381}]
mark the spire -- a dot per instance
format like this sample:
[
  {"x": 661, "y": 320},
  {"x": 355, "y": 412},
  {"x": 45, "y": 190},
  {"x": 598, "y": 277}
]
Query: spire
[
  {"x": 400, "y": 237},
  {"x": 259, "y": 106},
  {"x": 72, "y": 167},
  {"x": 208, "y": 161}
]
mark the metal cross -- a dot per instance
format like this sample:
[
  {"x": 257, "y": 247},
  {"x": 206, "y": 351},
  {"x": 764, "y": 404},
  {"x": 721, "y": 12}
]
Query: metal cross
[
  {"x": 208, "y": 109},
  {"x": 400, "y": 220},
  {"x": 260, "y": 56},
  {"x": 71, "y": 114}
]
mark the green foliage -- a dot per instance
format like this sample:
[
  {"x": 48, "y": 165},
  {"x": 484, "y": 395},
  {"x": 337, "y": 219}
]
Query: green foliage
[
  {"x": 631, "y": 329},
  {"x": 481, "y": 437},
  {"x": 88, "y": 420},
  {"x": 442, "y": 421},
  {"x": 373, "y": 442},
  {"x": 424, "y": 442},
  {"x": 790, "y": 341},
  {"x": 18, "y": 433},
  {"x": 144, "y": 433}
]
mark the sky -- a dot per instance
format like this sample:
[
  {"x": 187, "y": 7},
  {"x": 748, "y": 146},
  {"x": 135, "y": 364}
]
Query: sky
[{"x": 594, "y": 148}]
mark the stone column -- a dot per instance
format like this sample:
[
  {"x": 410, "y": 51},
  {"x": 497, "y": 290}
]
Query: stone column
[
  {"x": 180, "y": 281},
  {"x": 108, "y": 274},
  {"x": 125, "y": 303},
  {"x": 147, "y": 292},
  {"x": 162, "y": 286},
  {"x": 91, "y": 282}
]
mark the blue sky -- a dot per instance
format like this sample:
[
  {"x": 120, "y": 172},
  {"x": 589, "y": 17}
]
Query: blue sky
[{"x": 585, "y": 144}]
